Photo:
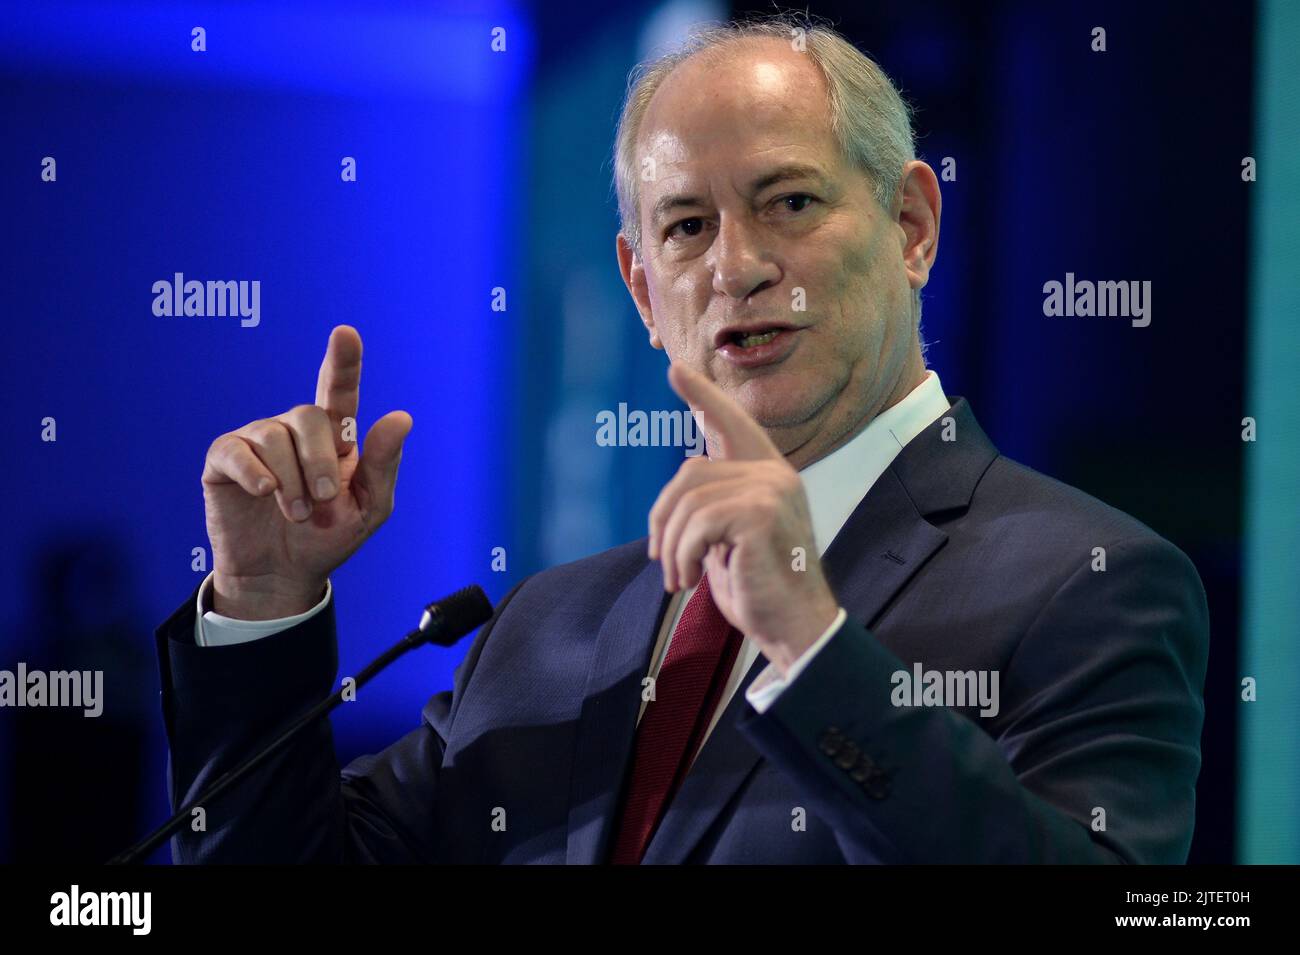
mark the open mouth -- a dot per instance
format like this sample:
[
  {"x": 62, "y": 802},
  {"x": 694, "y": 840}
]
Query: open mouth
[
  {"x": 752, "y": 339},
  {"x": 755, "y": 347}
]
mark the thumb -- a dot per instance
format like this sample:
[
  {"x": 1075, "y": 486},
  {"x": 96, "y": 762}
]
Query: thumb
[{"x": 380, "y": 455}]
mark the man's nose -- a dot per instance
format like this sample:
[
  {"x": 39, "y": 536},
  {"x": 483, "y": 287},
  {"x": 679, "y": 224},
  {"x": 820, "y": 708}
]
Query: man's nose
[{"x": 741, "y": 266}]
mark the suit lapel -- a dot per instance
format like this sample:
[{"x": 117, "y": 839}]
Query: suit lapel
[
  {"x": 884, "y": 542},
  {"x": 611, "y": 701},
  {"x": 888, "y": 537}
]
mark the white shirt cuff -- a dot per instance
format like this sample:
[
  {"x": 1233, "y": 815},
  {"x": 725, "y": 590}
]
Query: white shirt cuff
[
  {"x": 767, "y": 686},
  {"x": 212, "y": 629}
]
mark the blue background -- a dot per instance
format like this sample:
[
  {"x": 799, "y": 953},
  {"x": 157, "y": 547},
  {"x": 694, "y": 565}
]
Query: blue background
[{"x": 479, "y": 169}]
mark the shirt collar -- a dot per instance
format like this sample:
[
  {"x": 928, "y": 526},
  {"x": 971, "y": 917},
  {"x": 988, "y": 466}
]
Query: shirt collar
[{"x": 836, "y": 483}]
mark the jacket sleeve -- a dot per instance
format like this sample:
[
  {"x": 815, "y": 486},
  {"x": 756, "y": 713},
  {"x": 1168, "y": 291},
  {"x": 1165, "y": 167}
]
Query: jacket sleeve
[
  {"x": 1100, "y": 725},
  {"x": 222, "y": 704}
]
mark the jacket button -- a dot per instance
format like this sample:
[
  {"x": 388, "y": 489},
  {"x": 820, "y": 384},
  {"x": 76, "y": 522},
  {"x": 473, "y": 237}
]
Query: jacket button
[
  {"x": 848, "y": 755},
  {"x": 876, "y": 785},
  {"x": 830, "y": 741},
  {"x": 864, "y": 770}
]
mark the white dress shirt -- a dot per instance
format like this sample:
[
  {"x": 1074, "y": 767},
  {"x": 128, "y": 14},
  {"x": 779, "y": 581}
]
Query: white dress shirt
[{"x": 834, "y": 485}]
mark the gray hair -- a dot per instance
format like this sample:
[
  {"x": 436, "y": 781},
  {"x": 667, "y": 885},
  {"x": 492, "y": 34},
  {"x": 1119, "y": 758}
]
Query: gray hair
[{"x": 869, "y": 119}]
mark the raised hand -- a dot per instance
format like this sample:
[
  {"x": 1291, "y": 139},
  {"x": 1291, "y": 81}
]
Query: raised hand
[
  {"x": 740, "y": 514},
  {"x": 288, "y": 499}
]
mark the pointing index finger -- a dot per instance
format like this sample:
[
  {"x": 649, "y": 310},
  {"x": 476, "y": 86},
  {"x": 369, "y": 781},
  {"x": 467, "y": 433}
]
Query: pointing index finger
[
  {"x": 742, "y": 438},
  {"x": 338, "y": 386}
]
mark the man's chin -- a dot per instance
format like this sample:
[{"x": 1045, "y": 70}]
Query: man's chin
[
  {"x": 777, "y": 409},
  {"x": 781, "y": 398}
]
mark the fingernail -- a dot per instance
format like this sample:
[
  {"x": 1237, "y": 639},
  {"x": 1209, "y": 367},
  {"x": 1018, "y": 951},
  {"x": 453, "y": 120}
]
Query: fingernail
[
  {"x": 299, "y": 510},
  {"x": 324, "y": 488},
  {"x": 264, "y": 485}
]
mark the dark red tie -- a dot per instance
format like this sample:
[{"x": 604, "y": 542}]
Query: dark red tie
[{"x": 689, "y": 684}]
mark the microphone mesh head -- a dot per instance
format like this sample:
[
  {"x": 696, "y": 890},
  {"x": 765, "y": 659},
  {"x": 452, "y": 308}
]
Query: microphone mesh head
[{"x": 460, "y": 613}]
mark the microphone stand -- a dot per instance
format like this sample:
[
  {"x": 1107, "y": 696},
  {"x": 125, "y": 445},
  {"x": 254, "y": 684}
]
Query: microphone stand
[{"x": 444, "y": 622}]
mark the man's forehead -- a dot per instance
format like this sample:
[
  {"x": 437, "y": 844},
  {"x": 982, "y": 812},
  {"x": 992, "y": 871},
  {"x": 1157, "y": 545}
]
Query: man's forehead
[
  {"x": 735, "y": 105},
  {"x": 747, "y": 89}
]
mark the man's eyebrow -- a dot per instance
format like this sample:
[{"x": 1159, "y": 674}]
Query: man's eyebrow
[
  {"x": 668, "y": 203},
  {"x": 786, "y": 172}
]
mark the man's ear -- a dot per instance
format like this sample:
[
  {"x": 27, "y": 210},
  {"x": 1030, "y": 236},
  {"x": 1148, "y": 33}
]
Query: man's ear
[
  {"x": 629, "y": 264},
  {"x": 917, "y": 207}
]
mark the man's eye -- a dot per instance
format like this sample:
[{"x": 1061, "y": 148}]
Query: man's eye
[
  {"x": 799, "y": 199},
  {"x": 689, "y": 227}
]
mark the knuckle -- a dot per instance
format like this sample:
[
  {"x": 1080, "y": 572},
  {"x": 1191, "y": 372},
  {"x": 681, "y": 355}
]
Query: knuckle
[
  {"x": 313, "y": 416},
  {"x": 221, "y": 447},
  {"x": 692, "y": 499},
  {"x": 658, "y": 511},
  {"x": 788, "y": 480},
  {"x": 298, "y": 414},
  {"x": 266, "y": 432},
  {"x": 766, "y": 507},
  {"x": 716, "y": 511}
]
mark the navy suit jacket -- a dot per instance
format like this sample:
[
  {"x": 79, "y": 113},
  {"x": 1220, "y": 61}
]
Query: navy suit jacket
[{"x": 957, "y": 559}]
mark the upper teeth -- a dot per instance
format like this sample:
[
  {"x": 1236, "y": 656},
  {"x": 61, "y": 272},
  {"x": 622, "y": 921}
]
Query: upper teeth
[{"x": 749, "y": 341}]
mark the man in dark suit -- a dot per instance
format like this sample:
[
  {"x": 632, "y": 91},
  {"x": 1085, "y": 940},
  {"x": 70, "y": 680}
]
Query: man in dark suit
[{"x": 855, "y": 632}]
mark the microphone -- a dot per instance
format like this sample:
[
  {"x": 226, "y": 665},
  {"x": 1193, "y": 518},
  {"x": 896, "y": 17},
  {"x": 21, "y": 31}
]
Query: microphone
[{"x": 443, "y": 622}]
